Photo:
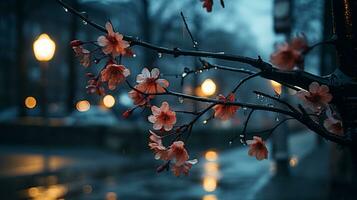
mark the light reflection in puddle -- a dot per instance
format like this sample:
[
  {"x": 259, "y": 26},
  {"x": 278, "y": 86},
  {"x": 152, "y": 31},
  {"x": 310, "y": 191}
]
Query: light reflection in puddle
[
  {"x": 209, "y": 183},
  {"x": 209, "y": 197},
  {"x": 52, "y": 192},
  {"x": 211, "y": 174}
]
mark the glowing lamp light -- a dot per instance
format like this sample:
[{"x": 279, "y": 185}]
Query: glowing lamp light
[
  {"x": 108, "y": 101},
  {"x": 30, "y": 102},
  {"x": 83, "y": 106},
  {"x": 276, "y": 86},
  {"x": 44, "y": 48},
  {"x": 211, "y": 156},
  {"x": 293, "y": 161},
  {"x": 208, "y": 87}
]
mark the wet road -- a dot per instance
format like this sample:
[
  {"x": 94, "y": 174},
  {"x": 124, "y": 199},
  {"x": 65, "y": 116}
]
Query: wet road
[{"x": 95, "y": 174}]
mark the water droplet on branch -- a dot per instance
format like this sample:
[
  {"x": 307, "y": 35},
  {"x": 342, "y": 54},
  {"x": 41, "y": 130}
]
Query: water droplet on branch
[
  {"x": 180, "y": 99},
  {"x": 159, "y": 55},
  {"x": 65, "y": 9}
]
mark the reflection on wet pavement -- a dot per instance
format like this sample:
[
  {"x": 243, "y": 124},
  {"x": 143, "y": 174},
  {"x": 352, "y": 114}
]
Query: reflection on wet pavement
[
  {"x": 210, "y": 174},
  {"x": 31, "y": 164}
]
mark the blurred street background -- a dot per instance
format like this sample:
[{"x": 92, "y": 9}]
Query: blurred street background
[{"x": 58, "y": 142}]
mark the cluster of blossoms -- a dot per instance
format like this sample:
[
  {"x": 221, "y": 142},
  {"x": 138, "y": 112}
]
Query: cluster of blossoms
[
  {"x": 149, "y": 84},
  {"x": 290, "y": 55},
  {"x": 317, "y": 98}
]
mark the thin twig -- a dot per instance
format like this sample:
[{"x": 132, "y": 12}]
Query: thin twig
[
  {"x": 244, "y": 80},
  {"x": 278, "y": 100}
]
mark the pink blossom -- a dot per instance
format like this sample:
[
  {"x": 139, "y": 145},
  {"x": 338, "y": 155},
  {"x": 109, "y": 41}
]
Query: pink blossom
[
  {"x": 184, "y": 168},
  {"x": 150, "y": 83},
  {"x": 113, "y": 42},
  {"x": 139, "y": 98},
  {"x": 333, "y": 125},
  {"x": 225, "y": 112},
  {"x": 289, "y": 55},
  {"x": 114, "y": 74},
  {"x": 285, "y": 58},
  {"x": 76, "y": 43},
  {"x": 178, "y": 153},
  {"x": 208, "y": 5},
  {"x": 299, "y": 43},
  {"x": 162, "y": 117},
  {"x": 317, "y": 97},
  {"x": 83, "y": 55},
  {"x": 175, "y": 153},
  {"x": 257, "y": 148},
  {"x": 94, "y": 86},
  {"x": 155, "y": 144}
]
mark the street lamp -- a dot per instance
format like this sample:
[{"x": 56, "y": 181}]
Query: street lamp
[{"x": 44, "y": 49}]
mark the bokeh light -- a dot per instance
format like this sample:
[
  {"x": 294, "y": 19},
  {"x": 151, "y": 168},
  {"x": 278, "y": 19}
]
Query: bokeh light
[
  {"x": 209, "y": 197},
  {"x": 44, "y": 48},
  {"x": 276, "y": 86},
  {"x": 209, "y": 183},
  {"x": 111, "y": 196},
  {"x": 208, "y": 87},
  {"x": 108, "y": 101},
  {"x": 211, "y": 156},
  {"x": 83, "y": 106},
  {"x": 293, "y": 161},
  {"x": 30, "y": 102}
]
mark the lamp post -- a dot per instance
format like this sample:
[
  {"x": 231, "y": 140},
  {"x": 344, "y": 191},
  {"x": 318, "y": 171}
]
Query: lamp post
[
  {"x": 283, "y": 21},
  {"x": 44, "y": 49}
]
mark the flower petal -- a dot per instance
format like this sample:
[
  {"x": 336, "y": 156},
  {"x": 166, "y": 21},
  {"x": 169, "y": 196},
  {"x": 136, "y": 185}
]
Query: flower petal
[
  {"x": 155, "y": 73},
  {"x": 152, "y": 119},
  {"x": 165, "y": 107},
  {"x": 155, "y": 110},
  {"x": 102, "y": 41},
  {"x": 146, "y": 73}
]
